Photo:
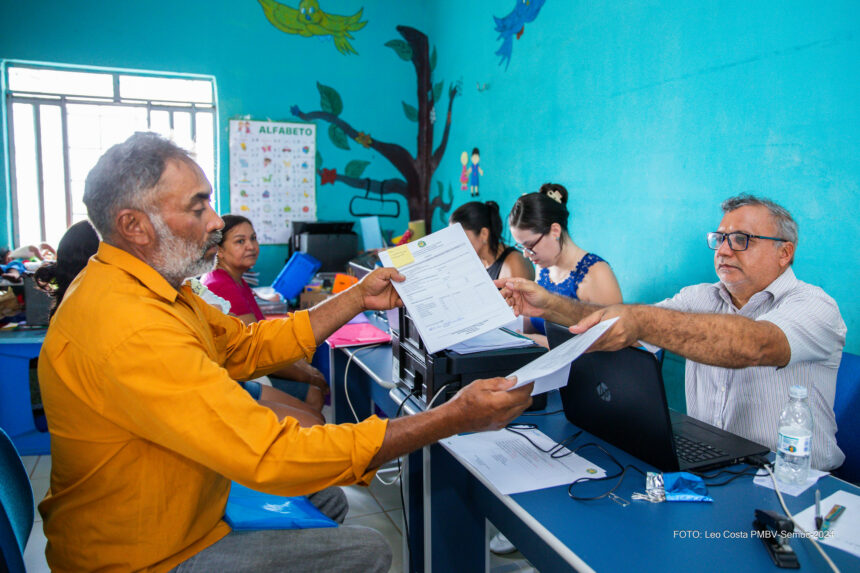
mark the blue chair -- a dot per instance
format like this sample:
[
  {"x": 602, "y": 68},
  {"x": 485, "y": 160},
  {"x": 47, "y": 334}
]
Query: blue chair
[
  {"x": 16, "y": 507},
  {"x": 846, "y": 408}
]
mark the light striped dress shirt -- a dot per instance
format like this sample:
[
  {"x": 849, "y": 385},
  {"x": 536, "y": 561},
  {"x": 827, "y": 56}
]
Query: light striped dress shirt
[{"x": 748, "y": 401}]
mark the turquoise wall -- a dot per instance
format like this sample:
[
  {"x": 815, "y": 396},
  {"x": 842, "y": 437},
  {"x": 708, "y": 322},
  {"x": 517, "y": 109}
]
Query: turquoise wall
[{"x": 650, "y": 113}]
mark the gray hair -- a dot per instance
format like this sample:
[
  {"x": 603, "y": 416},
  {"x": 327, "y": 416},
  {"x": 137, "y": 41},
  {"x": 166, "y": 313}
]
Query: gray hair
[
  {"x": 126, "y": 176},
  {"x": 784, "y": 221}
]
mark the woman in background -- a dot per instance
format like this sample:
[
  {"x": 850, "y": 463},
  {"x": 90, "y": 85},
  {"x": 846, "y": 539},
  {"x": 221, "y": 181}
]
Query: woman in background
[
  {"x": 538, "y": 223},
  {"x": 483, "y": 225},
  {"x": 237, "y": 253},
  {"x": 79, "y": 243}
]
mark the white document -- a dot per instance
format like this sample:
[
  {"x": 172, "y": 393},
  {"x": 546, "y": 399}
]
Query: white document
[
  {"x": 513, "y": 465},
  {"x": 550, "y": 371},
  {"x": 845, "y": 533},
  {"x": 493, "y": 340},
  {"x": 762, "y": 479},
  {"x": 447, "y": 290}
]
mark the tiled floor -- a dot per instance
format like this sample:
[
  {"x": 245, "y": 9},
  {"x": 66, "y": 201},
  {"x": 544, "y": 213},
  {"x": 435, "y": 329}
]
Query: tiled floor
[{"x": 39, "y": 470}]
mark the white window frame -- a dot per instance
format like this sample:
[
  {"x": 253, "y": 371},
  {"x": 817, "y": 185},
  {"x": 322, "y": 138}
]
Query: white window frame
[{"x": 38, "y": 100}]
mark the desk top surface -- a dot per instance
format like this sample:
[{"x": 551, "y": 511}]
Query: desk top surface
[
  {"x": 706, "y": 536},
  {"x": 703, "y": 536},
  {"x": 22, "y": 336}
]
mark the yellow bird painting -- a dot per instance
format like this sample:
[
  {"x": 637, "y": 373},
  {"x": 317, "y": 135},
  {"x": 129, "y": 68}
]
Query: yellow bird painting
[{"x": 308, "y": 20}]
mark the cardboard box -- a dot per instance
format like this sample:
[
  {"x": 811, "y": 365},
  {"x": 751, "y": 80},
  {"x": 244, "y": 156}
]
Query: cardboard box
[{"x": 312, "y": 298}]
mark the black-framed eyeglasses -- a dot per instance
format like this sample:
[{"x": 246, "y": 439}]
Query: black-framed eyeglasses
[
  {"x": 738, "y": 241},
  {"x": 530, "y": 249}
]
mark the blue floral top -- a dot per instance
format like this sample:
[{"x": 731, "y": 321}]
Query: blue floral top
[{"x": 568, "y": 286}]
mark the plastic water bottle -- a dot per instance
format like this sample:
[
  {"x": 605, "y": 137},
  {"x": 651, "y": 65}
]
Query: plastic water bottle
[{"x": 794, "y": 444}]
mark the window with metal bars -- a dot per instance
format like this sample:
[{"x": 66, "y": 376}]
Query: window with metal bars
[{"x": 61, "y": 119}]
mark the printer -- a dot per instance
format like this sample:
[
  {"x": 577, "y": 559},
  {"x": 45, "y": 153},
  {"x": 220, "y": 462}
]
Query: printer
[
  {"x": 332, "y": 243},
  {"x": 423, "y": 374}
]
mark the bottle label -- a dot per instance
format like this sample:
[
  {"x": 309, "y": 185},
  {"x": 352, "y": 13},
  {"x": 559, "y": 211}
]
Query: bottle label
[{"x": 794, "y": 445}]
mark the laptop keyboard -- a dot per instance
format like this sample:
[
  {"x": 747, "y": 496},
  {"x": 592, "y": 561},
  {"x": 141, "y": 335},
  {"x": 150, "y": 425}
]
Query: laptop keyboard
[{"x": 694, "y": 452}]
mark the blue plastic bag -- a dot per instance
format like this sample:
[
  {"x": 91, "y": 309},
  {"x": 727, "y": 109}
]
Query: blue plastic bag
[
  {"x": 684, "y": 486},
  {"x": 249, "y": 510}
]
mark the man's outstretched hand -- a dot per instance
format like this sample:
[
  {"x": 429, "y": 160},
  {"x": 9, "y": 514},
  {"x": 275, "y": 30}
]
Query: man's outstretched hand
[{"x": 377, "y": 291}]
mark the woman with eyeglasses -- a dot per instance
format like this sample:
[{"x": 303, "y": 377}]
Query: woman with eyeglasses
[
  {"x": 538, "y": 223},
  {"x": 483, "y": 225}
]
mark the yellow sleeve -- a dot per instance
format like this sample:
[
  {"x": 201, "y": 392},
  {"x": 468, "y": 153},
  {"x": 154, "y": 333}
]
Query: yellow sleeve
[
  {"x": 161, "y": 384},
  {"x": 262, "y": 347}
]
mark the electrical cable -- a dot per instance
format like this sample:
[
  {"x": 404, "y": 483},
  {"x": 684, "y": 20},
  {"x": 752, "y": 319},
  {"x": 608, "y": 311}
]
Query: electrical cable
[
  {"x": 399, "y": 467},
  {"x": 622, "y": 471},
  {"x": 346, "y": 373},
  {"x": 541, "y": 413},
  {"x": 735, "y": 475},
  {"x": 806, "y": 534},
  {"x": 437, "y": 394},
  {"x": 400, "y": 488},
  {"x": 556, "y": 451}
]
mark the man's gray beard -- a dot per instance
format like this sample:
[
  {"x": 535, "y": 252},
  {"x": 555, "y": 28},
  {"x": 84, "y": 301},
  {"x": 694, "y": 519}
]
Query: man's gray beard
[{"x": 177, "y": 259}]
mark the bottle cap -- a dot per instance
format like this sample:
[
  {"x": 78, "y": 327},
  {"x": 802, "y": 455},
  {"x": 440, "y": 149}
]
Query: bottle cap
[{"x": 797, "y": 391}]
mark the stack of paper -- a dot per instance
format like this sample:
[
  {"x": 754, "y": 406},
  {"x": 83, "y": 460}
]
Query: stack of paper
[{"x": 493, "y": 340}]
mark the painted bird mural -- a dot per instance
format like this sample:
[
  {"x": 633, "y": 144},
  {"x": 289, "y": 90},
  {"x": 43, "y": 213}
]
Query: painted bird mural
[
  {"x": 514, "y": 24},
  {"x": 308, "y": 20}
]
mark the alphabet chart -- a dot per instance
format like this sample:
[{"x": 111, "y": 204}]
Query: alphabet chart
[{"x": 272, "y": 175}]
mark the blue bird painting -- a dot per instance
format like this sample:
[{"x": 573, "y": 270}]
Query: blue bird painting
[{"x": 514, "y": 24}]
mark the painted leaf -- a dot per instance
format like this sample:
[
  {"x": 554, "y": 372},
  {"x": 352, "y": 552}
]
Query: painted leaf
[
  {"x": 410, "y": 111},
  {"x": 433, "y": 60},
  {"x": 402, "y": 48},
  {"x": 330, "y": 101},
  {"x": 338, "y": 137},
  {"x": 355, "y": 168},
  {"x": 437, "y": 90},
  {"x": 318, "y": 161}
]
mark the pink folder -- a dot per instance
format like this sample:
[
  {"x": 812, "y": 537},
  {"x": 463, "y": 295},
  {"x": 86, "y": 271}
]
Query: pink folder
[{"x": 357, "y": 335}]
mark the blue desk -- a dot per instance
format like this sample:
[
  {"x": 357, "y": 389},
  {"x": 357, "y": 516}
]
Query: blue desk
[
  {"x": 557, "y": 533},
  {"x": 17, "y": 349},
  {"x": 369, "y": 382}
]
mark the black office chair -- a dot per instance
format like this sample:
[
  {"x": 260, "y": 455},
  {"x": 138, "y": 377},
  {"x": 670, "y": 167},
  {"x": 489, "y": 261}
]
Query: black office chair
[{"x": 16, "y": 507}]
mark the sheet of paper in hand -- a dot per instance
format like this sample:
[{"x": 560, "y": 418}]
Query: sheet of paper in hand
[{"x": 447, "y": 290}]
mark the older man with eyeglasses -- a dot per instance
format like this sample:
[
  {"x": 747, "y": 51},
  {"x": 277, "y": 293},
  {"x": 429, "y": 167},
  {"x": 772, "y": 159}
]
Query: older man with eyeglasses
[{"x": 747, "y": 338}]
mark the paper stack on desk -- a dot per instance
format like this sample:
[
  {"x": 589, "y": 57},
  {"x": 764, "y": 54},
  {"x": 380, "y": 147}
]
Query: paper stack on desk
[{"x": 493, "y": 340}]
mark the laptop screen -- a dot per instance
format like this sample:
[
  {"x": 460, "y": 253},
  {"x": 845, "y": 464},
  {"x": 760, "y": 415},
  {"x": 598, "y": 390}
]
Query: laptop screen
[{"x": 619, "y": 397}]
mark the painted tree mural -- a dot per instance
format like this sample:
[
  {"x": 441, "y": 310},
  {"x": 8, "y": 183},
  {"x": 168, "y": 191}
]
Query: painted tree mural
[{"x": 417, "y": 172}]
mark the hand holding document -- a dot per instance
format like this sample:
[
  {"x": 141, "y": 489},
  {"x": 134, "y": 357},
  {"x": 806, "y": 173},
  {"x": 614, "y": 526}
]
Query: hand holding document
[
  {"x": 447, "y": 290},
  {"x": 550, "y": 371}
]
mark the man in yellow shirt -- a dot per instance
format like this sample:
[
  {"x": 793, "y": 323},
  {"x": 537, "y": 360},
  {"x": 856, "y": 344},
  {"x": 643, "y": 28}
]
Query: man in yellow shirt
[{"x": 147, "y": 424}]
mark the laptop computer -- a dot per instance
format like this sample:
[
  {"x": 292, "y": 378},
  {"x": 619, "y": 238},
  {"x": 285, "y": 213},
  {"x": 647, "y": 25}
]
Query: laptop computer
[{"x": 620, "y": 398}]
